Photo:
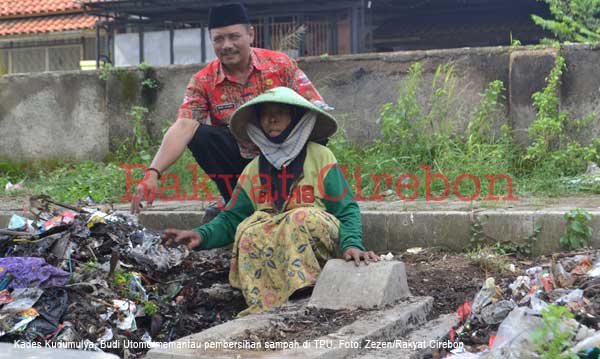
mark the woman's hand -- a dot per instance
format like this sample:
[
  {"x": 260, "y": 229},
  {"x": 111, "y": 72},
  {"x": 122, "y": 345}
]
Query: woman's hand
[
  {"x": 177, "y": 236},
  {"x": 357, "y": 254}
]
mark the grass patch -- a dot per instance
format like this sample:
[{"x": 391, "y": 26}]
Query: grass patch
[
  {"x": 69, "y": 182},
  {"x": 488, "y": 259},
  {"x": 422, "y": 141}
]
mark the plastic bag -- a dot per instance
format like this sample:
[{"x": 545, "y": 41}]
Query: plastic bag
[
  {"x": 18, "y": 223},
  {"x": 573, "y": 296},
  {"x": 53, "y": 305},
  {"x": 495, "y": 313},
  {"x": 23, "y": 299},
  {"x": 536, "y": 303},
  {"x": 586, "y": 344},
  {"x": 595, "y": 271},
  {"x": 484, "y": 297},
  {"x": 520, "y": 287},
  {"x": 152, "y": 252},
  {"x": 515, "y": 333},
  {"x": 562, "y": 278}
]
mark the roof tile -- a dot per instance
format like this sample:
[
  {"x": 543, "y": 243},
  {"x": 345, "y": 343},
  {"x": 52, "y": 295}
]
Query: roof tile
[
  {"x": 46, "y": 24},
  {"x": 11, "y": 8}
]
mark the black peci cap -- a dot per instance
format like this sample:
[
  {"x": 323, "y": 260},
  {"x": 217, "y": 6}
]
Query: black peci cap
[{"x": 226, "y": 15}]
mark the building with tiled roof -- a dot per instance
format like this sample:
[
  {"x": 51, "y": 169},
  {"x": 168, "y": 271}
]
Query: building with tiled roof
[
  {"x": 49, "y": 35},
  {"x": 45, "y": 35},
  {"x": 162, "y": 32}
]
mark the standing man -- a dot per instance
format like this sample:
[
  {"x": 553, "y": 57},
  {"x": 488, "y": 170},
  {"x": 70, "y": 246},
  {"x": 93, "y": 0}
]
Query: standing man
[{"x": 239, "y": 74}]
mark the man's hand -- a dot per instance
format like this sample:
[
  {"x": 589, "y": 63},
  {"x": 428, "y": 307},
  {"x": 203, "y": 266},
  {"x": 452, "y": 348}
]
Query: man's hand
[
  {"x": 148, "y": 186},
  {"x": 356, "y": 254},
  {"x": 177, "y": 236}
]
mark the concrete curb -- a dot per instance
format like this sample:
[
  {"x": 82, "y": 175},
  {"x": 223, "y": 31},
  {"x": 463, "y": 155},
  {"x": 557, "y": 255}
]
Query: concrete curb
[{"x": 397, "y": 231}]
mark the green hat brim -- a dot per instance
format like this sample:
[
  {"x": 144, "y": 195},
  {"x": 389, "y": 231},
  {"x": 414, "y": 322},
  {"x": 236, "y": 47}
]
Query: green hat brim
[{"x": 325, "y": 126}]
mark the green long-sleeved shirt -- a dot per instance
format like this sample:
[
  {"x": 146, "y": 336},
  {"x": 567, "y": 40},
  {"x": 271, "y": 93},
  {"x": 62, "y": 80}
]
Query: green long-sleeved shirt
[{"x": 330, "y": 192}]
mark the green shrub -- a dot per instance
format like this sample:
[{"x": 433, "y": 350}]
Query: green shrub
[
  {"x": 578, "y": 230},
  {"x": 555, "y": 334}
]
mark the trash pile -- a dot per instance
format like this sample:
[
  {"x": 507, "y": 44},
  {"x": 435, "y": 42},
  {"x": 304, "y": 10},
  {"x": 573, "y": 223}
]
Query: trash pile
[
  {"x": 530, "y": 316},
  {"x": 85, "y": 275},
  {"x": 589, "y": 181}
]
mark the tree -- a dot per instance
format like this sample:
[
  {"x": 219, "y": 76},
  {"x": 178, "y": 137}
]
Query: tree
[{"x": 575, "y": 20}]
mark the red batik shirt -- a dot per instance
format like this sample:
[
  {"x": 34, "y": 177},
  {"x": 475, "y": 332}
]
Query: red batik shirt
[{"x": 212, "y": 95}]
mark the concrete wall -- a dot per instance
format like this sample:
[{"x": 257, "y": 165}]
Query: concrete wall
[
  {"x": 53, "y": 116},
  {"x": 580, "y": 91},
  {"x": 358, "y": 85},
  {"x": 75, "y": 115}
]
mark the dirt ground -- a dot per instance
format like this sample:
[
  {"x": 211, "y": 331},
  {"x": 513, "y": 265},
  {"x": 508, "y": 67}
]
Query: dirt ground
[{"x": 450, "y": 279}]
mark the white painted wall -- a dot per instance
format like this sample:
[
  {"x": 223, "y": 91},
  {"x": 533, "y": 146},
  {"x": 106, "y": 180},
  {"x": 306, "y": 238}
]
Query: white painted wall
[{"x": 187, "y": 48}]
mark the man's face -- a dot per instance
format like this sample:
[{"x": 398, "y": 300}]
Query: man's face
[
  {"x": 232, "y": 43},
  {"x": 274, "y": 118}
]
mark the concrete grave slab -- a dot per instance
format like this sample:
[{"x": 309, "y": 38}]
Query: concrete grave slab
[
  {"x": 342, "y": 285},
  {"x": 419, "y": 344},
  {"x": 376, "y": 326}
]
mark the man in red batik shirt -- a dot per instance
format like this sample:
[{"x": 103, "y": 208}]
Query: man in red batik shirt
[{"x": 239, "y": 74}]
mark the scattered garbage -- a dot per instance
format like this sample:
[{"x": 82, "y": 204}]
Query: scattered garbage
[
  {"x": 85, "y": 274},
  {"x": 23, "y": 299},
  {"x": 515, "y": 334},
  {"x": 17, "y": 322},
  {"x": 485, "y": 296},
  {"x": 32, "y": 271},
  {"x": 536, "y": 303},
  {"x": 6, "y": 281},
  {"x": 126, "y": 312},
  {"x": 589, "y": 180},
  {"x": 495, "y": 313},
  {"x": 53, "y": 305},
  {"x": 18, "y": 223},
  {"x": 573, "y": 296},
  {"x": 220, "y": 291},
  {"x": 106, "y": 336},
  {"x": 464, "y": 311},
  {"x": 387, "y": 257},
  {"x": 415, "y": 250},
  {"x": 595, "y": 271},
  {"x": 587, "y": 344},
  {"x": 150, "y": 251},
  {"x": 10, "y": 187},
  {"x": 521, "y": 286},
  {"x": 561, "y": 277},
  {"x": 5, "y": 297},
  {"x": 506, "y": 316}
]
